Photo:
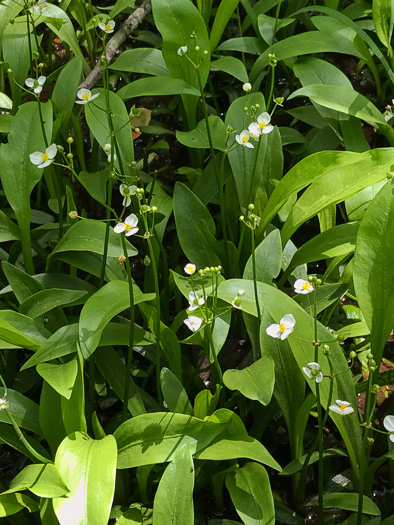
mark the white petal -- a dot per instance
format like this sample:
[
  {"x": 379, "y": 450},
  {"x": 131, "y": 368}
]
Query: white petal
[
  {"x": 392, "y": 438},
  {"x": 254, "y": 129},
  {"x": 51, "y": 151},
  {"x": 102, "y": 26},
  {"x": 238, "y": 139},
  {"x": 81, "y": 101},
  {"x": 133, "y": 189},
  {"x": 132, "y": 220},
  {"x": 126, "y": 202},
  {"x": 131, "y": 232},
  {"x": 267, "y": 129},
  {"x": 192, "y": 307},
  {"x": 201, "y": 300},
  {"x": 122, "y": 188},
  {"x": 36, "y": 157},
  {"x": 340, "y": 402},
  {"x": 335, "y": 408},
  {"x": 192, "y": 297},
  {"x": 190, "y": 268},
  {"x": 193, "y": 322},
  {"x": 45, "y": 164},
  {"x": 29, "y": 82},
  {"x": 314, "y": 366},
  {"x": 264, "y": 117},
  {"x": 388, "y": 423},
  {"x": 307, "y": 372},
  {"x": 288, "y": 320},
  {"x": 41, "y": 80},
  {"x": 94, "y": 96},
  {"x": 83, "y": 91},
  {"x": 248, "y": 145},
  {"x": 319, "y": 377},
  {"x": 119, "y": 228},
  {"x": 273, "y": 330},
  {"x": 37, "y": 89},
  {"x": 111, "y": 23},
  {"x": 286, "y": 333},
  {"x": 348, "y": 410}
]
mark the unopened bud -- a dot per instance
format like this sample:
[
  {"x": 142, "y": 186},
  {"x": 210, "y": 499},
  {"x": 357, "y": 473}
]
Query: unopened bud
[
  {"x": 122, "y": 259},
  {"x": 73, "y": 214},
  {"x": 251, "y": 207},
  {"x": 247, "y": 87},
  {"x": 197, "y": 48},
  {"x": 353, "y": 354},
  {"x": 146, "y": 261},
  {"x": 60, "y": 148},
  {"x": 153, "y": 209},
  {"x": 9, "y": 71},
  {"x": 70, "y": 140},
  {"x": 69, "y": 156},
  {"x": 4, "y": 404},
  {"x": 340, "y": 338}
]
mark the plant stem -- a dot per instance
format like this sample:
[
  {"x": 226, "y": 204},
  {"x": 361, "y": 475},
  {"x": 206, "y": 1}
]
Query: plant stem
[
  {"x": 254, "y": 171},
  {"x": 131, "y": 332}
]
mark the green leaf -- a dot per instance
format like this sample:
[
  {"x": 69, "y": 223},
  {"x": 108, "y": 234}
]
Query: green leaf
[
  {"x": 12, "y": 503},
  {"x": 42, "y": 480},
  {"x": 12, "y": 335},
  {"x": 198, "y": 137},
  {"x": 46, "y": 300},
  {"x": 255, "y": 381},
  {"x": 155, "y": 438},
  {"x": 157, "y": 86},
  {"x": 205, "y": 403},
  {"x": 223, "y": 14},
  {"x": 268, "y": 26},
  {"x": 298, "y": 464},
  {"x": 231, "y": 65},
  {"x": 174, "y": 394},
  {"x": 96, "y": 183},
  {"x": 189, "y": 211},
  {"x": 9, "y": 231},
  {"x": 268, "y": 256},
  {"x": 245, "y": 44},
  {"x": 142, "y": 60},
  {"x": 88, "y": 468},
  {"x": 65, "y": 32},
  {"x": 73, "y": 407},
  {"x": 101, "y": 307},
  {"x": 9, "y": 437},
  {"x": 60, "y": 377},
  {"x": 8, "y": 11},
  {"x": 23, "y": 410},
  {"x": 342, "y": 99},
  {"x": 325, "y": 295},
  {"x": 373, "y": 272},
  {"x": 5, "y": 101},
  {"x": 381, "y": 13},
  {"x": 348, "y": 501},
  {"x": 66, "y": 87},
  {"x": 174, "y": 496},
  {"x": 88, "y": 236},
  {"x": 250, "y": 491}
]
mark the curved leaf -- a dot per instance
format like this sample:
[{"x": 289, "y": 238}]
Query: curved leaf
[
  {"x": 157, "y": 86},
  {"x": 142, "y": 60}
]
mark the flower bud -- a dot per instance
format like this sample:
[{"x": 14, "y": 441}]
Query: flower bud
[
  {"x": 197, "y": 48},
  {"x": 247, "y": 87},
  {"x": 9, "y": 71},
  {"x": 70, "y": 140},
  {"x": 205, "y": 52},
  {"x": 73, "y": 214},
  {"x": 241, "y": 218},
  {"x": 375, "y": 389},
  {"x": 257, "y": 106},
  {"x": 4, "y": 404},
  {"x": 353, "y": 354},
  {"x": 122, "y": 259},
  {"x": 251, "y": 207},
  {"x": 340, "y": 338},
  {"x": 370, "y": 441},
  {"x": 60, "y": 148},
  {"x": 272, "y": 59},
  {"x": 153, "y": 209},
  {"x": 146, "y": 261},
  {"x": 69, "y": 156},
  {"x": 369, "y": 356},
  {"x": 241, "y": 293}
]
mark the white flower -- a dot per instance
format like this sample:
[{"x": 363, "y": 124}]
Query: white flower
[
  {"x": 127, "y": 192},
  {"x": 108, "y": 27},
  {"x": 254, "y": 130},
  {"x": 36, "y": 83},
  {"x": 342, "y": 407},
  {"x": 40, "y": 7},
  {"x": 85, "y": 96},
  {"x": 303, "y": 287},
  {"x": 263, "y": 122},
  {"x": 195, "y": 301},
  {"x": 312, "y": 370},
  {"x": 190, "y": 269},
  {"x": 109, "y": 157},
  {"x": 42, "y": 160},
  {"x": 283, "y": 329},
  {"x": 247, "y": 87},
  {"x": 129, "y": 226},
  {"x": 193, "y": 322},
  {"x": 182, "y": 50},
  {"x": 243, "y": 139},
  {"x": 388, "y": 423},
  {"x": 4, "y": 404},
  {"x": 237, "y": 300}
]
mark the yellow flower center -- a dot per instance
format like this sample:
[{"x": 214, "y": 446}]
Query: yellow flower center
[
  {"x": 127, "y": 226},
  {"x": 41, "y": 6},
  {"x": 245, "y": 138},
  {"x": 306, "y": 285},
  {"x": 342, "y": 407},
  {"x": 189, "y": 268},
  {"x": 107, "y": 27},
  {"x": 86, "y": 96},
  {"x": 44, "y": 156},
  {"x": 262, "y": 124},
  {"x": 282, "y": 327}
]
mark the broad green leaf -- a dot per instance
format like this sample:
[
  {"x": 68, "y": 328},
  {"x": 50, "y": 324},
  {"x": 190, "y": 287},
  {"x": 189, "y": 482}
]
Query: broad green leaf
[
  {"x": 96, "y": 183},
  {"x": 42, "y": 480},
  {"x": 23, "y": 410},
  {"x": 142, "y": 60},
  {"x": 6, "y": 123},
  {"x": 268, "y": 255},
  {"x": 245, "y": 44},
  {"x": 189, "y": 211},
  {"x": 358, "y": 203},
  {"x": 348, "y": 501},
  {"x": 101, "y": 307},
  {"x": 12, "y": 503},
  {"x": 174, "y": 394},
  {"x": 60, "y": 377},
  {"x": 373, "y": 272},
  {"x": 66, "y": 87},
  {"x": 8, "y": 11},
  {"x": 88, "y": 468},
  {"x": 342, "y": 99},
  {"x": 381, "y": 13},
  {"x": 337, "y": 185},
  {"x": 312, "y": 70},
  {"x": 46, "y": 300},
  {"x": 223, "y": 14},
  {"x": 100, "y": 128},
  {"x": 22, "y": 284},
  {"x": 174, "y": 496},
  {"x": 255, "y": 381},
  {"x": 73, "y": 406},
  {"x": 12, "y": 335},
  {"x": 268, "y": 26},
  {"x": 155, "y": 438},
  {"x": 198, "y": 137},
  {"x": 205, "y": 403},
  {"x": 231, "y": 65},
  {"x": 157, "y": 86},
  {"x": 250, "y": 491},
  {"x": 325, "y": 295},
  {"x": 88, "y": 236}
]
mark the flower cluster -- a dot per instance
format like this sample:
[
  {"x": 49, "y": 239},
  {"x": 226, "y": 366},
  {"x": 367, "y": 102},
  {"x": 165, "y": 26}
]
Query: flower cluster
[
  {"x": 36, "y": 84},
  {"x": 255, "y": 129}
]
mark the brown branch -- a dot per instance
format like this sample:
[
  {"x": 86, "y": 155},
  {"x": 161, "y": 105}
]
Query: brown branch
[{"x": 128, "y": 26}]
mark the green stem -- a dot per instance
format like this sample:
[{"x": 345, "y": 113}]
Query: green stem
[
  {"x": 131, "y": 333},
  {"x": 24, "y": 440},
  {"x": 271, "y": 92},
  {"x": 251, "y": 187}
]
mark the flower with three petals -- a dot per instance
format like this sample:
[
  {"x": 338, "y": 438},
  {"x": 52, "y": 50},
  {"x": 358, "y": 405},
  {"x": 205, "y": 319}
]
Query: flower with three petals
[
  {"x": 182, "y": 50},
  {"x": 190, "y": 269},
  {"x": 195, "y": 301},
  {"x": 388, "y": 423},
  {"x": 343, "y": 408},
  {"x": 129, "y": 226},
  {"x": 127, "y": 192},
  {"x": 313, "y": 371},
  {"x": 193, "y": 323},
  {"x": 243, "y": 139},
  {"x": 42, "y": 160},
  {"x": 40, "y": 7},
  {"x": 263, "y": 121},
  {"x": 303, "y": 287},
  {"x": 107, "y": 27},
  {"x": 283, "y": 329},
  {"x": 85, "y": 96},
  {"x": 36, "y": 84}
]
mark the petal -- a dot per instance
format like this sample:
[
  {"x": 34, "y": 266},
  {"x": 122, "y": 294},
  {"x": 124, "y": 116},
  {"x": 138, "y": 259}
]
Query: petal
[
  {"x": 264, "y": 117},
  {"x": 37, "y": 89},
  {"x": 339, "y": 402},
  {"x": 299, "y": 282},
  {"x": 81, "y": 101},
  {"x": 133, "y": 190},
  {"x": 273, "y": 330},
  {"x": 267, "y": 129},
  {"x": 82, "y": 92},
  {"x": 288, "y": 320},
  {"x": 314, "y": 366},
  {"x": 307, "y": 372},
  {"x": 254, "y": 128},
  {"x": 51, "y": 151},
  {"x": 238, "y": 139},
  {"x": 35, "y": 157},
  {"x": 392, "y": 438},
  {"x": 102, "y": 26},
  {"x": 111, "y": 23},
  {"x": 29, "y": 82},
  {"x": 248, "y": 145},
  {"x": 192, "y": 307},
  {"x": 94, "y": 96},
  {"x": 388, "y": 423},
  {"x": 123, "y": 187},
  {"x": 132, "y": 220},
  {"x": 348, "y": 410},
  {"x": 319, "y": 377},
  {"x": 286, "y": 333},
  {"x": 119, "y": 228},
  {"x": 45, "y": 164},
  {"x": 131, "y": 232},
  {"x": 41, "y": 80},
  {"x": 192, "y": 297},
  {"x": 126, "y": 202},
  {"x": 335, "y": 408}
]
